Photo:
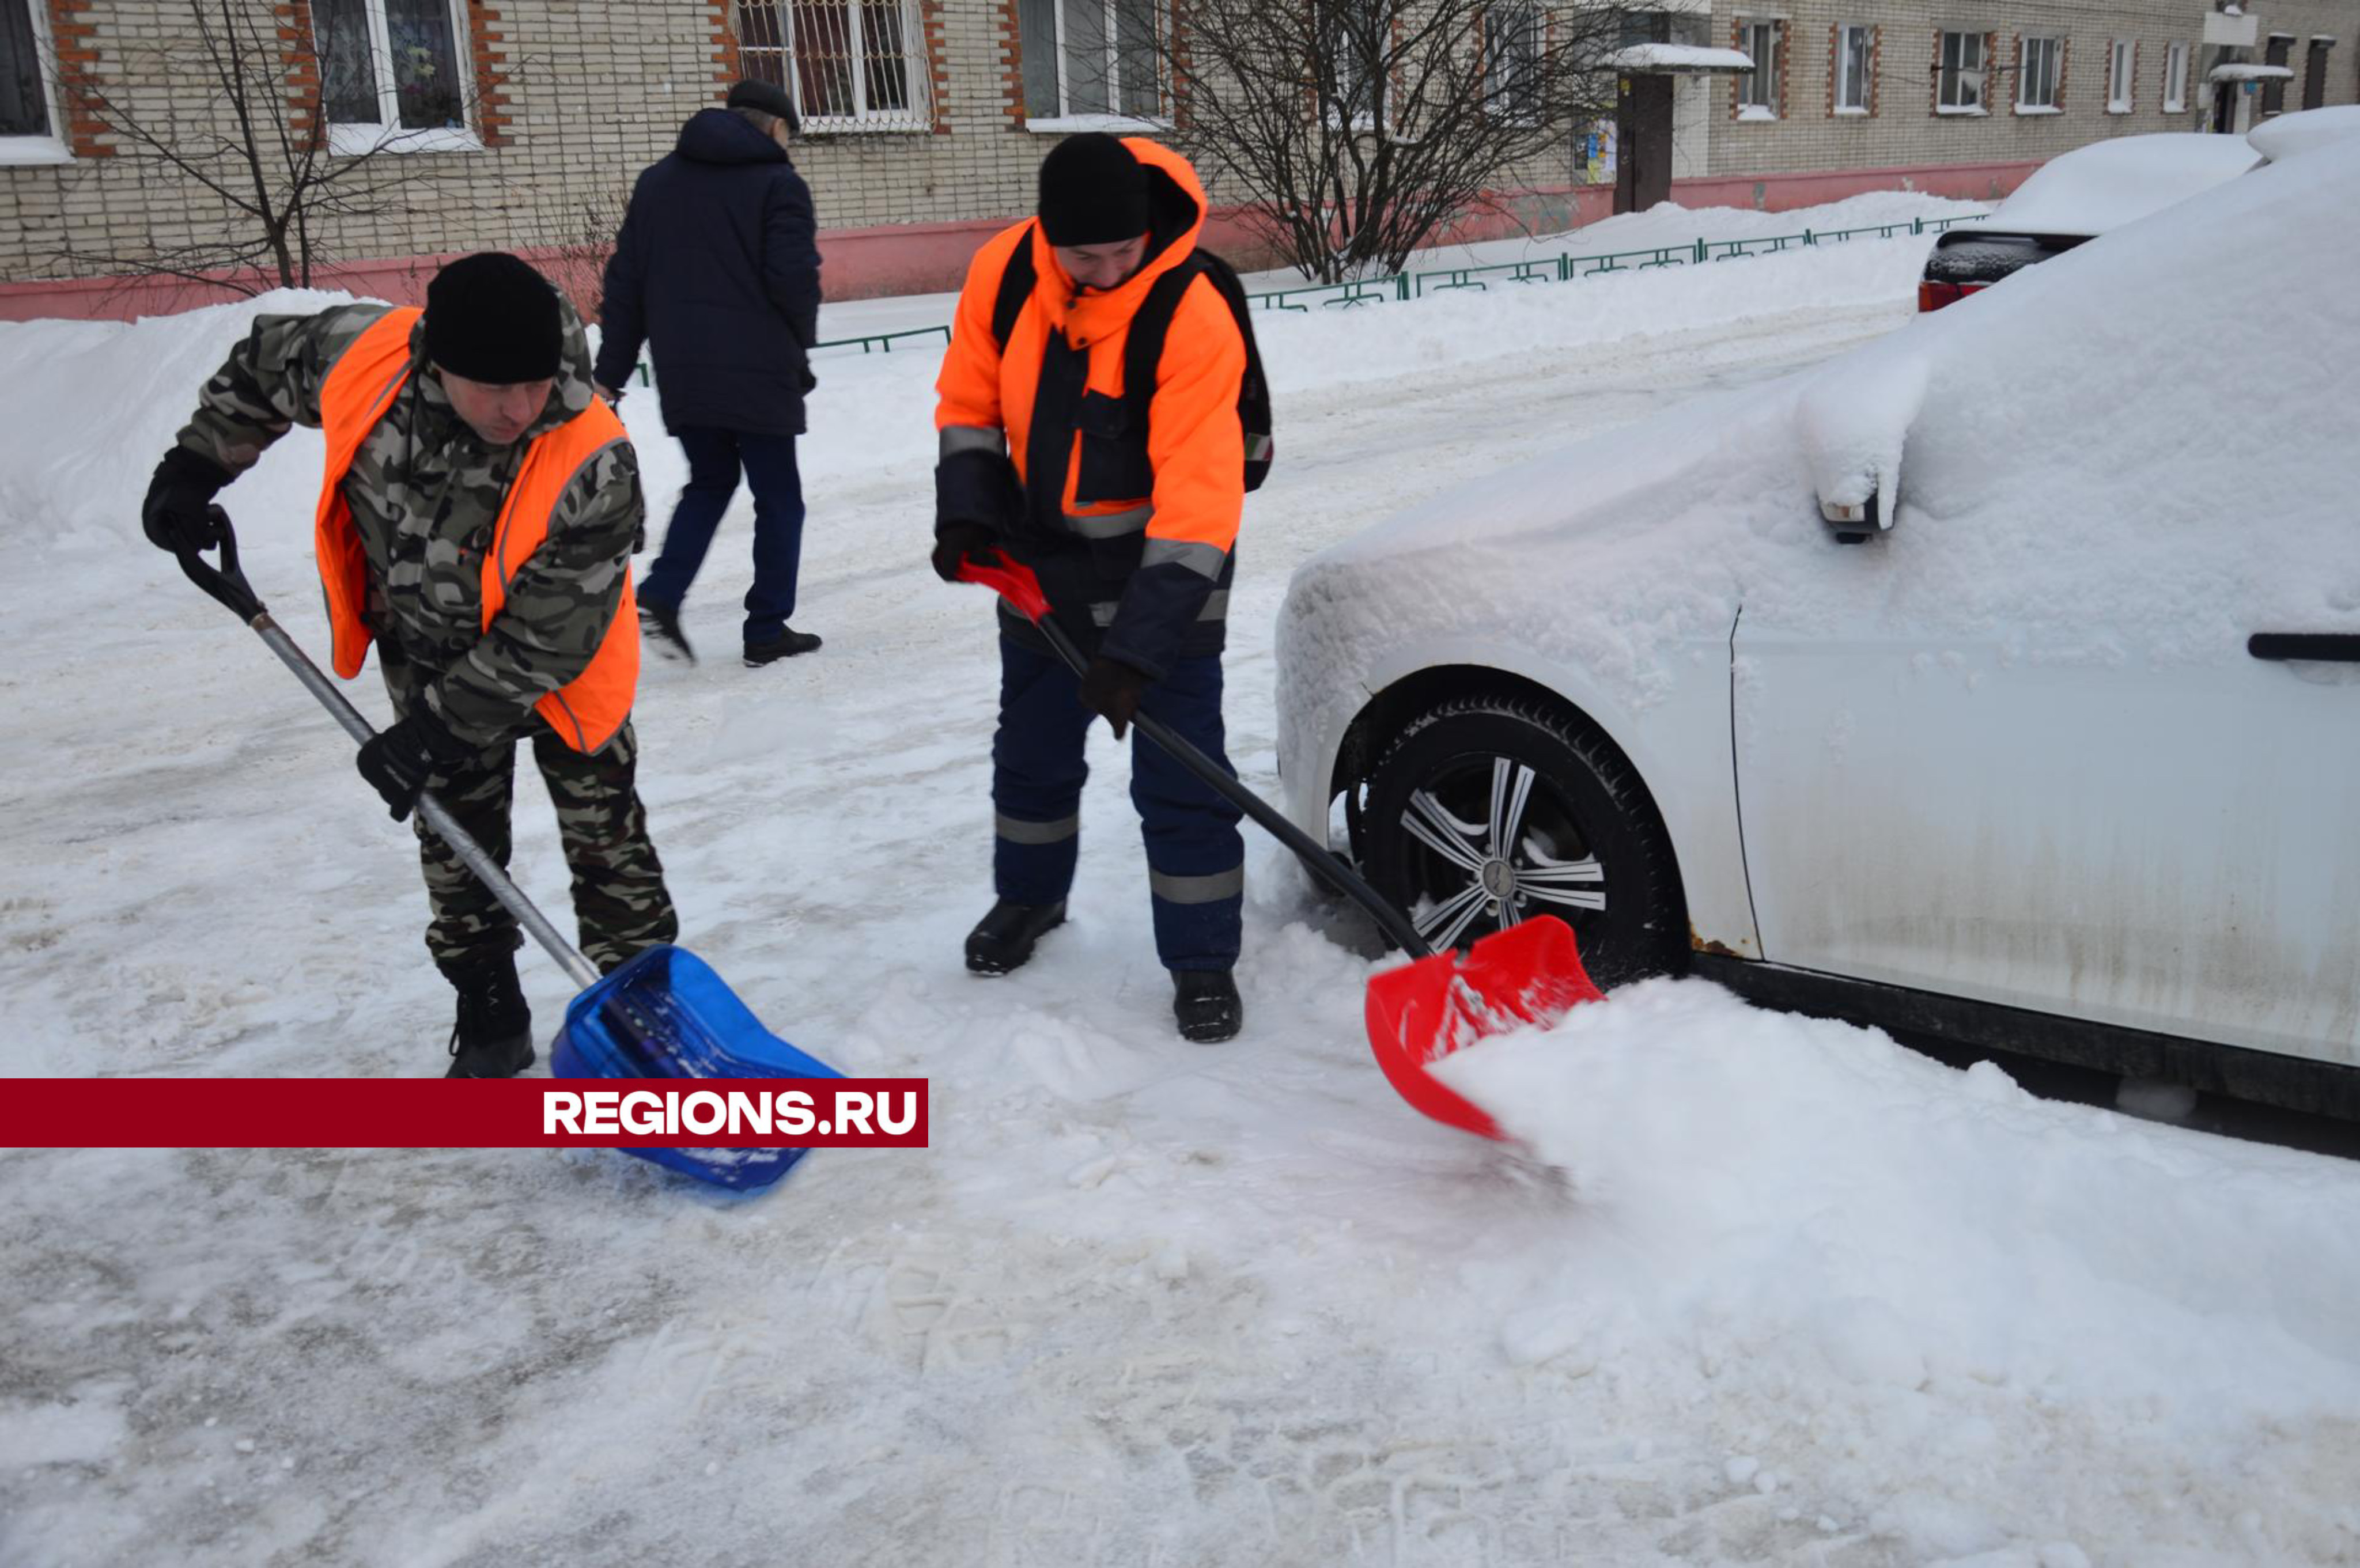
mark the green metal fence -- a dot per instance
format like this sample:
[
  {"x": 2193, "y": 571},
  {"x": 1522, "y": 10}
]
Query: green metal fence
[{"x": 1564, "y": 268}]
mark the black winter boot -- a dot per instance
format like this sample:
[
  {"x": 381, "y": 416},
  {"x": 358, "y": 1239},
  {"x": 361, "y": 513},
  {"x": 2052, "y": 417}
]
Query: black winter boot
[
  {"x": 1003, "y": 938},
  {"x": 1206, "y": 1003},
  {"x": 493, "y": 1036},
  {"x": 660, "y": 625},
  {"x": 786, "y": 645}
]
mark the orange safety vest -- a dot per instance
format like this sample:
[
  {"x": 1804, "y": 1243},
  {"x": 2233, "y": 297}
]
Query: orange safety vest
[{"x": 361, "y": 386}]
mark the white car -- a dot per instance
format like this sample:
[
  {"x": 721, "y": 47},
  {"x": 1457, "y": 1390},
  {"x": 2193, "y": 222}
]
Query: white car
[{"x": 2051, "y": 741}]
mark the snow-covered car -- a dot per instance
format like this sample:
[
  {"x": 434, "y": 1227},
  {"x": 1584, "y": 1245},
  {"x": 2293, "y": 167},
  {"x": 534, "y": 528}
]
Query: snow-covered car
[
  {"x": 2061, "y": 754},
  {"x": 2073, "y": 198}
]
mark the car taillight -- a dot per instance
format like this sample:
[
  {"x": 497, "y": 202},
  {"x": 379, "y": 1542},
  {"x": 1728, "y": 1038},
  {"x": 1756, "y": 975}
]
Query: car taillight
[{"x": 1933, "y": 296}]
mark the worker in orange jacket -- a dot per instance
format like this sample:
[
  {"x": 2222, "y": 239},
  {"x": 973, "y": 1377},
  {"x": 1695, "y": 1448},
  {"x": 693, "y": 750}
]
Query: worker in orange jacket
[{"x": 1131, "y": 530}]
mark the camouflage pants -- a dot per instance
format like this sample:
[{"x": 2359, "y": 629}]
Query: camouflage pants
[{"x": 619, "y": 900}]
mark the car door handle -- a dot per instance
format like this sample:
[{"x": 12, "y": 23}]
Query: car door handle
[{"x": 2327, "y": 647}]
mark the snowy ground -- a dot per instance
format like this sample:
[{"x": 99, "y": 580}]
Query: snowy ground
[{"x": 1763, "y": 1292}]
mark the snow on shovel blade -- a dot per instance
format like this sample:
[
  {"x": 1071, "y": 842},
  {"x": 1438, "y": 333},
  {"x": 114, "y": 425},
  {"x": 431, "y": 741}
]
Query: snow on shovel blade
[
  {"x": 666, "y": 1014},
  {"x": 1421, "y": 1012}
]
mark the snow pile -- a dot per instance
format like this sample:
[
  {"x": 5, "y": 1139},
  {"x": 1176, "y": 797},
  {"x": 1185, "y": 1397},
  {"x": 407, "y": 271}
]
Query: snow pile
[{"x": 2093, "y": 189}]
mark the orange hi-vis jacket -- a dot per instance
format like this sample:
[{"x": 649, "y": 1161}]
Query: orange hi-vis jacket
[
  {"x": 1158, "y": 536},
  {"x": 361, "y": 386}
]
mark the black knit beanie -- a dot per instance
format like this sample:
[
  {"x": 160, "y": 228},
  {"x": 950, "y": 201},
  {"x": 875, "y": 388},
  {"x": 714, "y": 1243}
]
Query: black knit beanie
[
  {"x": 1093, "y": 191},
  {"x": 490, "y": 317}
]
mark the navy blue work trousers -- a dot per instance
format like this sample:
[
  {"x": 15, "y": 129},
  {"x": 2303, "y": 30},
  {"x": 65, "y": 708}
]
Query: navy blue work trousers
[
  {"x": 714, "y": 457},
  {"x": 1196, "y": 859}
]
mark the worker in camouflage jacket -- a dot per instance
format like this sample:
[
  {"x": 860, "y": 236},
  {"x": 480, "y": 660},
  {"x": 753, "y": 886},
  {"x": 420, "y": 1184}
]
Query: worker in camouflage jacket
[{"x": 476, "y": 522}]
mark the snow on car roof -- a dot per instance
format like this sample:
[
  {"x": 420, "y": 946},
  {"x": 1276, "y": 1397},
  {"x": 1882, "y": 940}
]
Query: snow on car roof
[
  {"x": 2107, "y": 184},
  {"x": 2291, "y": 136},
  {"x": 2075, "y": 419}
]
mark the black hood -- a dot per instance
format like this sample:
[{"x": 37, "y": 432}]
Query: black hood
[{"x": 718, "y": 136}]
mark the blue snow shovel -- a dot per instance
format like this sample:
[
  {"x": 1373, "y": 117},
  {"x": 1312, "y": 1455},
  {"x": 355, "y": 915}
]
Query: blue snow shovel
[{"x": 664, "y": 1014}]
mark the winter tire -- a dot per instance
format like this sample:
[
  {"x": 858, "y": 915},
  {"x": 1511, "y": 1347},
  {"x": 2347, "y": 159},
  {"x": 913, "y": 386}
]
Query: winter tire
[{"x": 1486, "y": 811}]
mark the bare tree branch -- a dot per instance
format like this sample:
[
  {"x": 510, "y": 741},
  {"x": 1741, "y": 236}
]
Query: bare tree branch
[{"x": 1362, "y": 129}]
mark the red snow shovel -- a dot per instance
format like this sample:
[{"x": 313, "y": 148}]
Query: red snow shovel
[{"x": 1417, "y": 1012}]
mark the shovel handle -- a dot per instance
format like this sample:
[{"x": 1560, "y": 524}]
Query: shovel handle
[
  {"x": 1015, "y": 583},
  {"x": 226, "y": 583}
]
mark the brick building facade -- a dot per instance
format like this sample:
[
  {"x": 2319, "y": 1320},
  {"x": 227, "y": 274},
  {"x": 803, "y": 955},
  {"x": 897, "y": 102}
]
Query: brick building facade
[{"x": 521, "y": 122}]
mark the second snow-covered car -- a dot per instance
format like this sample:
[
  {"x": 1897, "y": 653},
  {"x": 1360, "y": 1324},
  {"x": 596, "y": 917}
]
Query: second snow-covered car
[{"x": 2062, "y": 753}]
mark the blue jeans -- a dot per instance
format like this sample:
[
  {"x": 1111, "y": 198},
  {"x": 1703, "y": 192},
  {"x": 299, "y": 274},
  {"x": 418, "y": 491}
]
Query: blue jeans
[
  {"x": 714, "y": 458},
  {"x": 1195, "y": 860}
]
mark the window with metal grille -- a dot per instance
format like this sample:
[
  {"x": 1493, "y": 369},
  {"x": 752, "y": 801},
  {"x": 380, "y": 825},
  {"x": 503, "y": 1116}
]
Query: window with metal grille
[
  {"x": 2036, "y": 76},
  {"x": 1095, "y": 59},
  {"x": 1757, "y": 90},
  {"x": 1961, "y": 65},
  {"x": 1853, "y": 46},
  {"x": 848, "y": 64},
  {"x": 389, "y": 74}
]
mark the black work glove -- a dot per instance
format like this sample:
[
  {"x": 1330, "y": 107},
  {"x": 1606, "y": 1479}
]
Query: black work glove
[
  {"x": 402, "y": 759},
  {"x": 177, "y": 512},
  {"x": 1112, "y": 688},
  {"x": 957, "y": 542}
]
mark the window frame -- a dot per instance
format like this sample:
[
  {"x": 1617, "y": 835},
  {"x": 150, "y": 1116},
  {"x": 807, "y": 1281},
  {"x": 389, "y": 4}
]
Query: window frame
[
  {"x": 1867, "y": 33},
  {"x": 2122, "y": 70},
  {"x": 354, "y": 139},
  {"x": 50, "y": 145},
  {"x": 2274, "y": 87},
  {"x": 1534, "y": 19},
  {"x": 1768, "y": 66},
  {"x": 2321, "y": 47},
  {"x": 916, "y": 60},
  {"x": 2175, "y": 78},
  {"x": 1948, "y": 75},
  {"x": 2052, "y": 45},
  {"x": 1068, "y": 119}
]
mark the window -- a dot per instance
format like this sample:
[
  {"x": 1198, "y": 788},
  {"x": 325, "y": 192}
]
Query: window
[
  {"x": 1757, "y": 90},
  {"x": 1960, "y": 85},
  {"x": 1094, "y": 58},
  {"x": 1349, "y": 46},
  {"x": 2314, "y": 73},
  {"x": 2274, "y": 91},
  {"x": 1665, "y": 27},
  {"x": 389, "y": 75},
  {"x": 1511, "y": 61},
  {"x": 2175, "y": 79},
  {"x": 2037, "y": 75},
  {"x": 2122, "y": 68},
  {"x": 1853, "y": 68},
  {"x": 29, "y": 130},
  {"x": 847, "y": 63}
]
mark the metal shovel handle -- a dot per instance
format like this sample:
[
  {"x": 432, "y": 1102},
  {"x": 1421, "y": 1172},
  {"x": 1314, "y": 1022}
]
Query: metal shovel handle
[
  {"x": 1015, "y": 583},
  {"x": 227, "y": 584}
]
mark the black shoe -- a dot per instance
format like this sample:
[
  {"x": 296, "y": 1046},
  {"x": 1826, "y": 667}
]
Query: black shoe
[
  {"x": 659, "y": 624},
  {"x": 1003, "y": 938},
  {"x": 493, "y": 1036},
  {"x": 1206, "y": 1003},
  {"x": 786, "y": 645}
]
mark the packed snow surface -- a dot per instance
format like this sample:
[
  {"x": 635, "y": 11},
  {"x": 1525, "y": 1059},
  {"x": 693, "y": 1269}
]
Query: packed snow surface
[{"x": 1758, "y": 1290}]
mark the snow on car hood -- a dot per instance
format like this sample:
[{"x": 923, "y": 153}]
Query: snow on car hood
[
  {"x": 2291, "y": 136},
  {"x": 2100, "y": 416}
]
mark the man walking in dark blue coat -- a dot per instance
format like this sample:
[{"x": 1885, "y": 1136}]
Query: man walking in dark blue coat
[{"x": 717, "y": 269}]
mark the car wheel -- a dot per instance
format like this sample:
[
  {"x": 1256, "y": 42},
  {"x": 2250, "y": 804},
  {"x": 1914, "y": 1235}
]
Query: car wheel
[{"x": 1485, "y": 812}]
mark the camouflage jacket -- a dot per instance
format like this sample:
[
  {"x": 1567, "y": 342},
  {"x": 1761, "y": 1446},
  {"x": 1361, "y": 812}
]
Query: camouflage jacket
[{"x": 425, "y": 491}]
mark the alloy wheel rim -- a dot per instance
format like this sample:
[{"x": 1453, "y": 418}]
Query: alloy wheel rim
[{"x": 1498, "y": 865}]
